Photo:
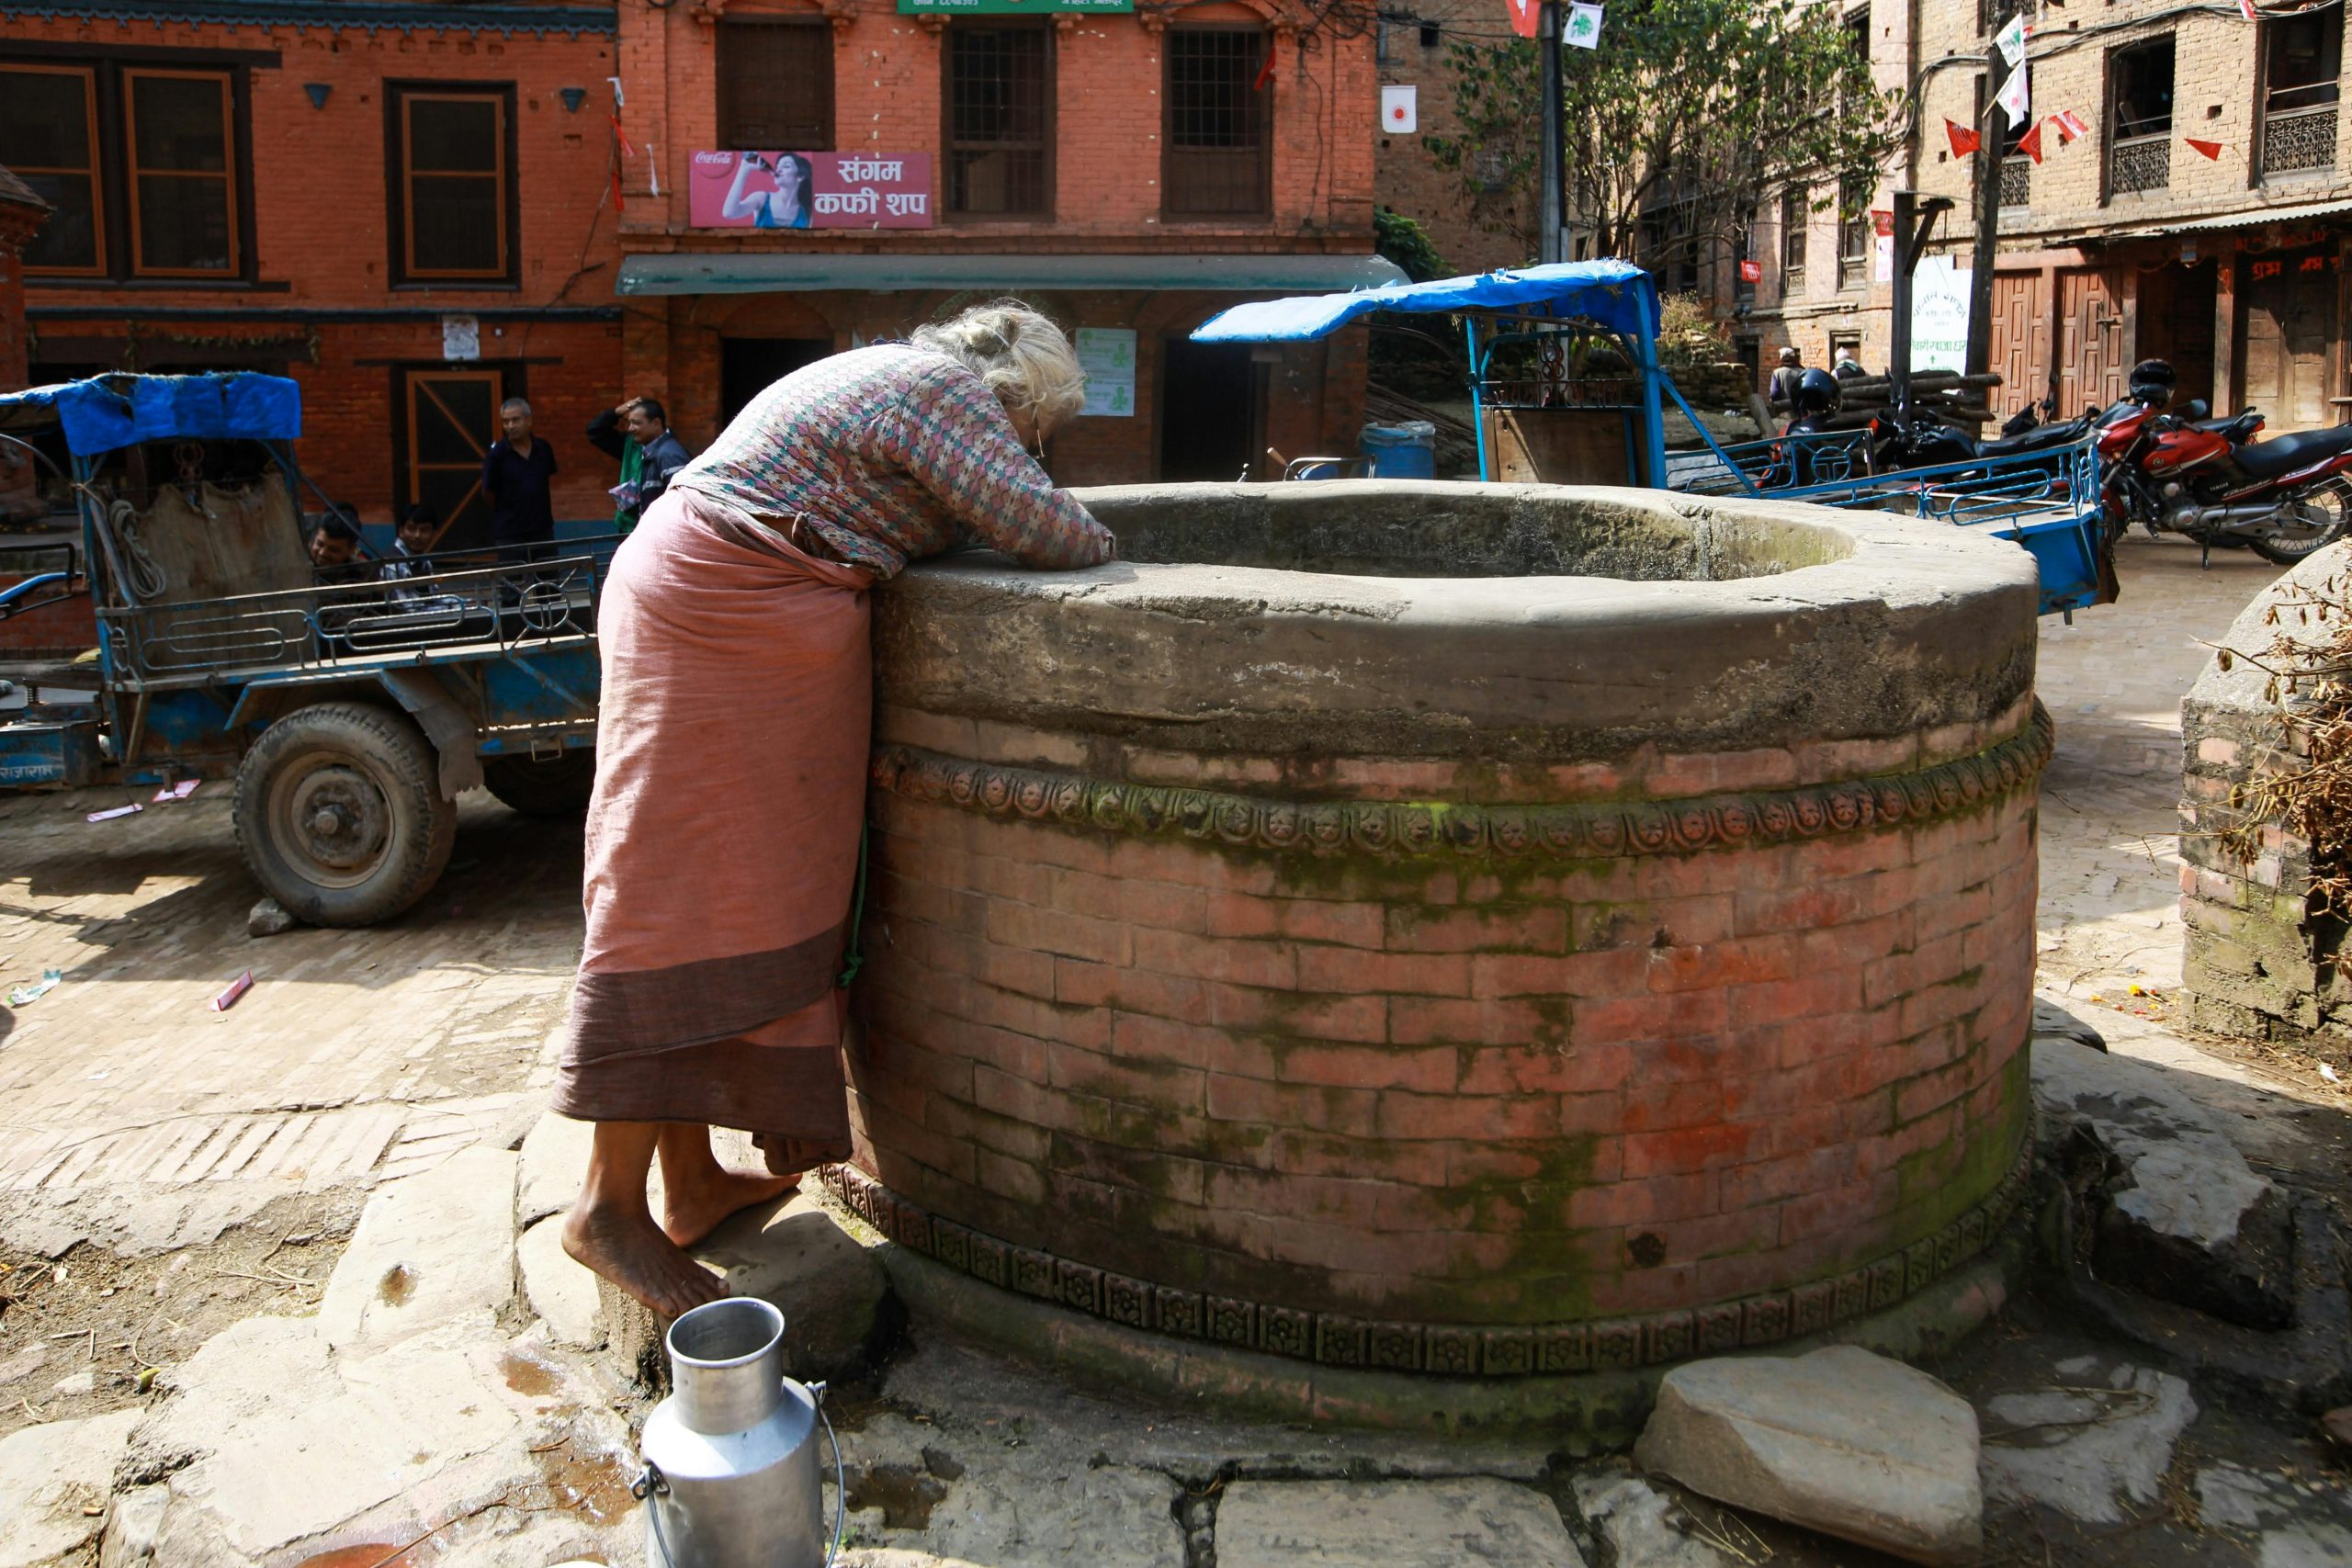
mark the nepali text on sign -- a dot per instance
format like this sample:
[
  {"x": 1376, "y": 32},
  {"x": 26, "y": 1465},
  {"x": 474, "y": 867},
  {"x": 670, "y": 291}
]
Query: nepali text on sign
[{"x": 810, "y": 191}]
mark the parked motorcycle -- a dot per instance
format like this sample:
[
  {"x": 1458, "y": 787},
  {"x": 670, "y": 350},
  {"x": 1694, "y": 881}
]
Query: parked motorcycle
[{"x": 2210, "y": 481}]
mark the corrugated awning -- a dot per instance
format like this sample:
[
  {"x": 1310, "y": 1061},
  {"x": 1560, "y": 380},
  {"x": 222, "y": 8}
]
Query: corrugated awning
[
  {"x": 802, "y": 271},
  {"x": 2246, "y": 220}
]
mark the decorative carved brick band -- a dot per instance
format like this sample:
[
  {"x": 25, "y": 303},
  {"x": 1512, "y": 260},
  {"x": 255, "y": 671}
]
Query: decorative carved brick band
[
  {"x": 1443, "y": 1349},
  {"x": 1579, "y": 832}
]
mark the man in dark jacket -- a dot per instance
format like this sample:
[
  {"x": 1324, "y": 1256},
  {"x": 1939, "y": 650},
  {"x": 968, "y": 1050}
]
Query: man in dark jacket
[
  {"x": 516, "y": 474},
  {"x": 637, "y": 432}
]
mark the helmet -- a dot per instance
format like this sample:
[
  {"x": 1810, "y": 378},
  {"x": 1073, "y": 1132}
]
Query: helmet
[
  {"x": 2152, "y": 380},
  {"x": 1817, "y": 393}
]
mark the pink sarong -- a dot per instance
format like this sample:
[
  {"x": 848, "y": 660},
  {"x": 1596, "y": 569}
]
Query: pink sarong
[{"x": 723, "y": 835}]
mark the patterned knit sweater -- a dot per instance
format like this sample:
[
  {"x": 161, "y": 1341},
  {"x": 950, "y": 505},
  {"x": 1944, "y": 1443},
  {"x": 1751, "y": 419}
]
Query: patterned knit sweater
[{"x": 890, "y": 454}]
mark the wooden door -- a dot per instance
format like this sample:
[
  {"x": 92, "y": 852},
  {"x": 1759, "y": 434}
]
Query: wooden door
[
  {"x": 450, "y": 420},
  {"x": 2091, "y": 356},
  {"x": 2020, "y": 340},
  {"x": 2290, "y": 318}
]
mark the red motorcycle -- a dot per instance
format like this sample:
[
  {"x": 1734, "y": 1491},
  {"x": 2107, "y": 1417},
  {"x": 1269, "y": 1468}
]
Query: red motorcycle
[{"x": 2210, "y": 481}]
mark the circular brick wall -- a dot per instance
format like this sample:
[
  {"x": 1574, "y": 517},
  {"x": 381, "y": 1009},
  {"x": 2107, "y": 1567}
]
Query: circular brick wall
[{"x": 1473, "y": 931}]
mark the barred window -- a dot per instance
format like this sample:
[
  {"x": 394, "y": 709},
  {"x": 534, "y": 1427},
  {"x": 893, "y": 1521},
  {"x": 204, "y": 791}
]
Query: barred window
[
  {"x": 999, "y": 113},
  {"x": 775, "y": 84},
  {"x": 1855, "y": 231},
  {"x": 452, "y": 186},
  {"x": 1795, "y": 213},
  {"x": 1216, "y": 161}
]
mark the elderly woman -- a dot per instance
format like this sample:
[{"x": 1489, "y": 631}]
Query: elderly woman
[{"x": 731, "y": 754}]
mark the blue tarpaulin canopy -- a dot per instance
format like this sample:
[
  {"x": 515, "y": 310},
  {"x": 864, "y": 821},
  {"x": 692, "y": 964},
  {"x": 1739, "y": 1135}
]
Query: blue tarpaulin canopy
[
  {"x": 110, "y": 411},
  {"x": 1617, "y": 295}
]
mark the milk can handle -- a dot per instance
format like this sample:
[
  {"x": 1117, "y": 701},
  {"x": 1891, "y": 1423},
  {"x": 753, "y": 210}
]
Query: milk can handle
[{"x": 841, "y": 1491}]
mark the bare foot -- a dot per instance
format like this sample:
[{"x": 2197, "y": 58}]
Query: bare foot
[
  {"x": 692, "y": 1210},
  {"x": 631, "y": 1251}
]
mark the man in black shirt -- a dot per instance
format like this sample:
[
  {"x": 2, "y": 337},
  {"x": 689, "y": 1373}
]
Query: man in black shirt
[{"x": 514, "y": 475}]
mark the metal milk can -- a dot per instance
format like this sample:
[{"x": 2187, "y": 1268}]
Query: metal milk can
[{"x": 730, "y": 1477}]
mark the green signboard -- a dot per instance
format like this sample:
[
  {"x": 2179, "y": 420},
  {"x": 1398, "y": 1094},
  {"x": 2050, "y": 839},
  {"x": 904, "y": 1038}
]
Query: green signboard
[{"x": 1006, "y": 8}]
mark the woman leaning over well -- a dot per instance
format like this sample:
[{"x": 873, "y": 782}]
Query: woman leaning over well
[{"x": 731, "y": 756}]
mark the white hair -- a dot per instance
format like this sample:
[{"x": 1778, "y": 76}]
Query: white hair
[{"x": 1023, "y": 357}]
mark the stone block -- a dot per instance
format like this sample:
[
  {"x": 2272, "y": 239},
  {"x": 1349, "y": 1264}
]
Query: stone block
[
  {"x": 1842, "y": 1441},
  {"x": 827, "y": 1286},
  {"x": 553, "y": 1163},
  {"x": 2177, "y": 1212},
  {"x": 560, "y": 1290}
]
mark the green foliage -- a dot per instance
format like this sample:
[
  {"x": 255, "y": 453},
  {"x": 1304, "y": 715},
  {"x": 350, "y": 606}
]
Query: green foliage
[
  {"x": 1692, "y": 110},
  {"x": 1688, "y": 333},
  {"x": 1403, "y": 241}
]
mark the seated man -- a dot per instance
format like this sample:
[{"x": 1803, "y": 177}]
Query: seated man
[
  {"x": 409, "y": 559},
  {"x": 334, "y": 550}
]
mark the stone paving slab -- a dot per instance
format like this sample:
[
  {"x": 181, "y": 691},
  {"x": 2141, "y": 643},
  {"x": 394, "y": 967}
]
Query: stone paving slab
[
  {"x": 427, "y": 1250},
  {"x": 1390, "y": 1524},
  {"x": 2091, "y": 1442},
  {"x": 55, "y": 1485}
]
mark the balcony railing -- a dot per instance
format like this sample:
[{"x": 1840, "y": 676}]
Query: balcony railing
[
  {"x": 2140, "y": 162},
  {"x": 2017, "y": 181},
  {"x": 2299, "y": 138}
]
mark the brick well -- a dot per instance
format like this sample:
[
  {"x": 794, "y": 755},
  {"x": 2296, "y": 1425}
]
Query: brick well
[{"x": 1541, "y": 1031}]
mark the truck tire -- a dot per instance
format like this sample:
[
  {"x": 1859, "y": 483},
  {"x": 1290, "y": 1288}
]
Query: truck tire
[
  {"x": 339, "y": 814},
  {"x": 555, "y": 787}
]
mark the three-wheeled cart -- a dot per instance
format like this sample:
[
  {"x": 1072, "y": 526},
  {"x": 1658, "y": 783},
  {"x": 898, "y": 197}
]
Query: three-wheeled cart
[
  {"x": 350, "y": 708},
  {"x": 1566, "y": 388}
]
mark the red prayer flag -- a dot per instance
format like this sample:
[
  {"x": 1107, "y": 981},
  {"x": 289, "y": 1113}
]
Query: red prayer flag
[
  {"x": 2030, "y": 143},
  {"x": 1265, "y": 71},
  {"x": 1751, "y": 272},
  {"x": 1964, "y": 140},
  {"x": 1525, "y": 16},
  {"x": 2210, "y": 149},
  {"x": 2245, "y": 9},
  {"x": 2070, "y": 125}
]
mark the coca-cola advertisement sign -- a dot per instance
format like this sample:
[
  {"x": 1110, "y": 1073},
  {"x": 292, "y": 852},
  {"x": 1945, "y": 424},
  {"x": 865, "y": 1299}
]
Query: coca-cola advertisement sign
[{"x": 810, "y": 191}]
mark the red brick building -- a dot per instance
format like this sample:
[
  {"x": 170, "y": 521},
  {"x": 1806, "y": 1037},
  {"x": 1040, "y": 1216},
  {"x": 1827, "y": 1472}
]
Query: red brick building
[
  {"x": 1131, "y": 170},
  {"x": 405, "y": 207}
]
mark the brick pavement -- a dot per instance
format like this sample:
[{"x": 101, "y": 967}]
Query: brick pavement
[{"x": 357, "y": 1054}]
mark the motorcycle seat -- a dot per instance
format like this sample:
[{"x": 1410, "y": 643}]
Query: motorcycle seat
[
  {"x": 2283, "y": 454},
  {"x": 2036, "y": 439}
]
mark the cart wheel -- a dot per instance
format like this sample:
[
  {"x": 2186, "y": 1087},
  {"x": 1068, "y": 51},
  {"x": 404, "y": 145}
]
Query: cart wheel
[
  {"x": 339, "y": 814},
  {"x": 555, "y": 787}
]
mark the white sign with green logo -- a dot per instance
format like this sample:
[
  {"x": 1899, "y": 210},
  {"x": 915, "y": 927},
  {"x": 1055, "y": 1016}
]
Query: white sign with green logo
[
  {"x": 1583, "y": 29},
  {"x": 1107, "y": 354}
]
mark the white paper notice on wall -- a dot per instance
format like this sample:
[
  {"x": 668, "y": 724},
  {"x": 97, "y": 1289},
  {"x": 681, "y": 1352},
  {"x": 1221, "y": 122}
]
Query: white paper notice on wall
[
  {"x": 461, "y": 337},
  {"x": 1107, "y": 355},
  {"x": 1883, "y": 266},
  {"x": 1938, "y": 315},
  {"x": 1400, "y": 110},
  {"x": 1583, "y": 25}
]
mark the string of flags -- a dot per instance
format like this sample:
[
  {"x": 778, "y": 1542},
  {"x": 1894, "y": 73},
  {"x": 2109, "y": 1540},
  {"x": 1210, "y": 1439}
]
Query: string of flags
[
  {"x": 2016, "y": 98},
  {"x": 1966, "y": 139},
  {"x": 1579, "y": 22}
]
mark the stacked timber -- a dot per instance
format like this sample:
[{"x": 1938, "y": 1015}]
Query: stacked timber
[{"x": 1955, "y": 399}]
